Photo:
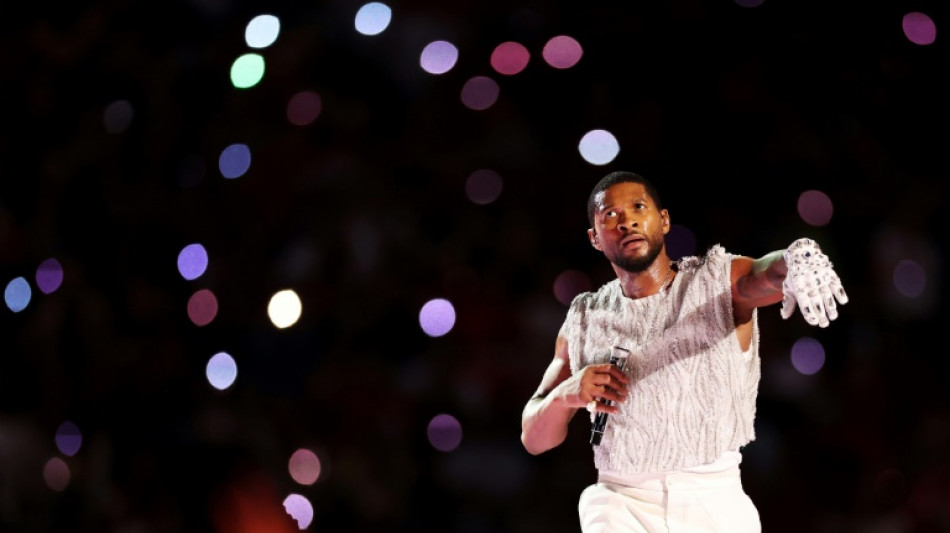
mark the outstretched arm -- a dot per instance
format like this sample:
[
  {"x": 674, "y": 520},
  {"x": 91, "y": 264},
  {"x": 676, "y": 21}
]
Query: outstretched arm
[
  {"x": 545, "y": 418},
  {"x": 801, "y": 275}
]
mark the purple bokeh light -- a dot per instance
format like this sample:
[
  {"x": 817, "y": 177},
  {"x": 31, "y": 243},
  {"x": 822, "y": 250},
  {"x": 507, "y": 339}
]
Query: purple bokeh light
[
  {"x": 444, "y": 432},
  {"x": 68, "y": 438},
  {"x": 192, "y": 261},
  {"x": 808, "y": 355},
  {"x": 437, "y": 317},
  {"x": 49, "y": 275}
]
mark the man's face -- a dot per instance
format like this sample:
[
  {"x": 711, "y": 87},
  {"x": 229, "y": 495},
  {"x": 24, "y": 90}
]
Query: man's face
[{"x": 628, "y": 227}]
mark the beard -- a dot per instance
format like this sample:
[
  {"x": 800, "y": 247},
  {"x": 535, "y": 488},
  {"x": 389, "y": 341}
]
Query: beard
[{"x": 637, "y": 265}]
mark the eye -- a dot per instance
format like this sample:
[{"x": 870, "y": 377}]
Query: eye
[{"x": 610, "y": 214}]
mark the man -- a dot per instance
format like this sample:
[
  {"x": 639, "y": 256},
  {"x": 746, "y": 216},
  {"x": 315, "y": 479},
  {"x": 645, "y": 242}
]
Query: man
[{"x": 680, "y": 402}]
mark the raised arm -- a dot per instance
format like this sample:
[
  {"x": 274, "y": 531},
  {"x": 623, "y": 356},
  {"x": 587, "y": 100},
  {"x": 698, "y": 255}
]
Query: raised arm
[{"x": 546, "y": 416}]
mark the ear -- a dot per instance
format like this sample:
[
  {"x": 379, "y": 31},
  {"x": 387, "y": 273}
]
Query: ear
[
  {"x": 665, "y": 215},
  {"x": 592, "y": 235}
]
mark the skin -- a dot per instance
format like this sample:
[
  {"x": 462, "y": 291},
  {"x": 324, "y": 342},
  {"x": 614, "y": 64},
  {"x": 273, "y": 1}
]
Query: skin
[{"x": 629, "y": 230}]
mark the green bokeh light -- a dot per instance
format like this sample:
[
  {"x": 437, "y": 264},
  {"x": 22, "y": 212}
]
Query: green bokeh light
[{"x": 247, "y": 71}]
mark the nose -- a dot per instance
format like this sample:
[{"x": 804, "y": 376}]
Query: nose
[{"x": 626, "y": 222}]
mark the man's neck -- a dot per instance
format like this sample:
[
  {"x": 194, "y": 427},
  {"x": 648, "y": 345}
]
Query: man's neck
[{"x": 648, "y": 282}]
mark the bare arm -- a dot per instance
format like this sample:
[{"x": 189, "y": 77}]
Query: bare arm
[
  {"x": 757, "y": 282},
  {"x": 545, "y": 418}
]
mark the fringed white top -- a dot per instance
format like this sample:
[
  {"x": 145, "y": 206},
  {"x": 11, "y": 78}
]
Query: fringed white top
[{"x": 692, "y": 392}]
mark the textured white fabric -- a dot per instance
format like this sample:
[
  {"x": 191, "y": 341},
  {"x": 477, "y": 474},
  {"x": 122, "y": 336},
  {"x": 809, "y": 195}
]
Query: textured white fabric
[{"x": 693, "y": 390}]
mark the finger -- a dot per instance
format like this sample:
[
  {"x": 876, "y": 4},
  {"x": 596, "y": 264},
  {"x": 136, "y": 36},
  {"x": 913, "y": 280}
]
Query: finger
[
  {"x": 788, "y": 306},
  {"x": 808, "y": 311},
  {"x": 838, "y": 291}
]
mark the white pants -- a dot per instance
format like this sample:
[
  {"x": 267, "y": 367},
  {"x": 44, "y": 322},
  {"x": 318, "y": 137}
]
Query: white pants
[{"x": 680, "y": 502}]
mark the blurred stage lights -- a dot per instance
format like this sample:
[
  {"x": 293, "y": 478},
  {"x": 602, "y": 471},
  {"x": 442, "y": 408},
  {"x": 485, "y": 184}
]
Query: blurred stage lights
[
  {"x": 304, "y": 467},
  {"x": 284, "y": 308},
  {"x": 118, "y": 116},
  {"x": 202, "y": 307},
  {"x": 909, "y": 278},
  {"x": 56, "y": 474},
  {"x": 509, "y": 58},
  {"x": 247, "y": 70},
  {"x": 569, "y": 284},
  {"x": 304, "y": 108},
  {"x": 562, "y": 52},
  {"x": 68, "y": 438},
  {"x": 234, "y": 161},
  {"x": 262, "y": 31},
  {"x": 598, "y": 147},
  {"x": 192, "y": 261},
  {"x": 373, "y": 18},
  {"x": 483, "y": 186},
  {"x": 444, "y": 432},
  {"x": 479, "y": 93},
  {"x": 49, "y": 275},
  {"x": 815, "y": 208},
  {"x": 808, "y": 356},
  {"x": 17, "y": 294},
  {"x": 919, "y": 28},
  {"x": 221, "y": 370},
  {"x": 437, "y": 317},
  {"x": 300, "y": 509},
  {"x": 438, "y": 57}
]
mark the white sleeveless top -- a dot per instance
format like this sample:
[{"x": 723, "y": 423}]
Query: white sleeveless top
[{"x": 692, "y": 391}]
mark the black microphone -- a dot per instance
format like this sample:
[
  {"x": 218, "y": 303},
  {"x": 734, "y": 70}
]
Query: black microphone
[{"x": 619, "y": 359}]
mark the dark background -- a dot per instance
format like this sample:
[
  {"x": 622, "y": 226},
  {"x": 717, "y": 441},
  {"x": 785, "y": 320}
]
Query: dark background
[{"x": 732, "y": 111}]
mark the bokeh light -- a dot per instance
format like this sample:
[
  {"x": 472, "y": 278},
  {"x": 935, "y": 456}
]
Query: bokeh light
[
  {"x": 480, "y": 93},
  {"x": 599, "y": 147},
  {"x": 569, "y": 284},
  {"x": 284, "y": 308},
  {"x": 562, "y": 52},
  {"x": 437, "y": 317},
  {"x": 247, "y": 70},
  {"x": 483, "y": 186},
  {"x": 56, "y": 474},
  {"x": 262, "y": 31},
  {"x": 17, "y": 295},
  {"x": 221, "y": 370},
  {"x": 118, "y": 116},
  {"x": 304, "y": 467},
  {"x": 300, "y": 509},
  {"x": 815, "y": 208},
  {"x": 192, "y": 261},
  {"x": 919, "y": 28},
  {"x": 373, "y": 18},
  {"x": 910, "y": 279},
  {"x": 680, "y": 242},
  {"x": 68, "y": 438},
  {"x": 438, "y": 57},
  {"x": 202, "y": 307},
  {"x": 234, "y": 161},
  {"x": 808, "y": 355},
  {"x": 510, "y": 58},
  {"x": 444, "y": 432},
  {"x": 303, "y": 108},
  {"x": 49, "y": 275}
]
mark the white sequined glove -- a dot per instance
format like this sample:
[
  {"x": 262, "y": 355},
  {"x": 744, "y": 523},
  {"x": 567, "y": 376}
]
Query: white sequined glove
[{"x": 811, "y": 283}]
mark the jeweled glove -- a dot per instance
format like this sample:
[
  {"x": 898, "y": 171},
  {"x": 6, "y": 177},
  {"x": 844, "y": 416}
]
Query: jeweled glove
[{"x": 811, "y": 283}]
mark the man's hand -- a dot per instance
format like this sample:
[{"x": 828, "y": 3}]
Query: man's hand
[{"x": 811, "y": 283}]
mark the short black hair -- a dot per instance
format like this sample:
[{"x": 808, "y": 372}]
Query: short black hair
[{"x": 620, "y": 176}]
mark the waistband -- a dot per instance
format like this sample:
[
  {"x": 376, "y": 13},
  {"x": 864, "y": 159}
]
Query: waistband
[{"x": 723, "y": 472}]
